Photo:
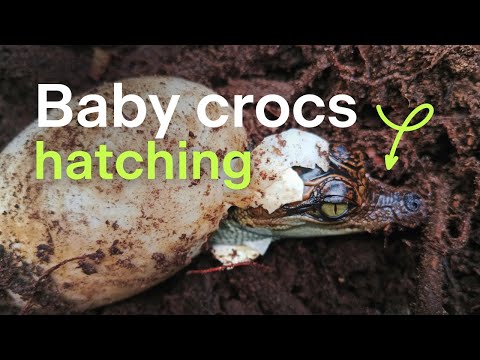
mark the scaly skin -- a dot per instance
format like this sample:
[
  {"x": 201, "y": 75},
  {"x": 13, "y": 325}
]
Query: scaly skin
[{"x": 363, "y": 204}]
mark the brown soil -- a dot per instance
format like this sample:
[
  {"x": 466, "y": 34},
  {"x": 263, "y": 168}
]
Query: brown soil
[{"x": 434, "y": 269}]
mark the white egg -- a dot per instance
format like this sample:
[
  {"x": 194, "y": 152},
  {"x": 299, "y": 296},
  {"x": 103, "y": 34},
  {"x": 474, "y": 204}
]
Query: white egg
[{"x": 124, "y": 236}]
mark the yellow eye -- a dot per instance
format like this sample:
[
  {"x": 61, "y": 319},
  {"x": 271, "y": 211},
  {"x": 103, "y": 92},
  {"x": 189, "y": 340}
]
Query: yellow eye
[{"x": 333, "y": 210}]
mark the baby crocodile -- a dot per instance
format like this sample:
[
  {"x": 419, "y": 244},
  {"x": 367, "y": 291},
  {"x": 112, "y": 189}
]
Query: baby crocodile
[{"x": 342, "y": 200}]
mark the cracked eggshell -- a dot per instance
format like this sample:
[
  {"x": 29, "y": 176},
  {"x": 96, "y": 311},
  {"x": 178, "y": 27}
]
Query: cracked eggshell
[
  {"x": 142, "y": 231},
  {"x": 273, "y": 181},
  {"x": 234, "y": 254}
]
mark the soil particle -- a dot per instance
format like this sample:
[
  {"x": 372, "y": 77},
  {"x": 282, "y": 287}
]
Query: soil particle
[
  {"x": 114, "y": 249},
  {"x": 44, "y": 251},
  {"x": 97, "y": 256},
  {"x": 87, "y": 267}
]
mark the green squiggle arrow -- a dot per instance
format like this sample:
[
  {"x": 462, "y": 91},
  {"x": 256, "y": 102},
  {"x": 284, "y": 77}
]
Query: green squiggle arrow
[{"x": 391, "y": 159}]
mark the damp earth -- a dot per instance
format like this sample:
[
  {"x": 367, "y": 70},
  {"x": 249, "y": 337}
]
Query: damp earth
[{"x": 434, "y": 269}]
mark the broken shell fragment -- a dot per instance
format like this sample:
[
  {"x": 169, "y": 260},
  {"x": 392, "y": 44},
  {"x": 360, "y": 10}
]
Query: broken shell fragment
[{"x": 274, "y": 182}]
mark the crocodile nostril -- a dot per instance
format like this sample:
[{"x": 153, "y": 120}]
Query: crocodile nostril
[{"x": 412, "y": 201}]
